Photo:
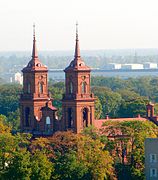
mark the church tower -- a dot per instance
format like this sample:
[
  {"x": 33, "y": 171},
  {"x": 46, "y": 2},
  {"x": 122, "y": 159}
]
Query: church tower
[
  {"x": 37, "y": 115},
  {"x": 78, "y": 101}
]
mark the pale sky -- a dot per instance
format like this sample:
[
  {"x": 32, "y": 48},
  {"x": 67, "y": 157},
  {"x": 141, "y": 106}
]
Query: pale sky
[{"x": 103, "y": 24}]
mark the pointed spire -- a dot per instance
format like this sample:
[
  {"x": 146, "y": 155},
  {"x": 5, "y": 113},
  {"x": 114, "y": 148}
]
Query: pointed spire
[
  {"x": 34, "y": 50},
  {"x": 77, "y": 49}
]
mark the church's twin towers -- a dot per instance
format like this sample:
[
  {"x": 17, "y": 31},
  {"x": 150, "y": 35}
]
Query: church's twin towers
[{"x": 38, "y": 116}]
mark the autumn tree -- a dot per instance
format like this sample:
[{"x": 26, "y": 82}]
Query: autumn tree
[{"x": 129, "y": 136}]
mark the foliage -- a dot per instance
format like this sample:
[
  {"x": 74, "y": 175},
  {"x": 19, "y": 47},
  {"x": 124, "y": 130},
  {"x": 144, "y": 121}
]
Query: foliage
[
  {"x": 19, "y": 167},
  {"x": 68, "y": 167},
  {"x": 98, "y": 108},
  {"x": 110, "y": 101},
  {"x": 133, "y": 134},
  {"x": 56, "y": 91},
  {"x": 41, "y": 167},
  {"x": 76, "y": 156},
  {"x": 13, "y": 119},
  {"x": 9, "y": 98}
]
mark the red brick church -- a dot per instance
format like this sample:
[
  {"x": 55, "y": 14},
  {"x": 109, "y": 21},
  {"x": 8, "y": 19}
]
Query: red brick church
[{"x": 38, "y": 116}]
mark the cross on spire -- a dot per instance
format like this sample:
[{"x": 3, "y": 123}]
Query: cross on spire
[
  {"x": 33, "y": 30},
  {"x": 77, "y": 49},
  {"x": 76, "y": 30},
  {"x": 34, "y": 50}
]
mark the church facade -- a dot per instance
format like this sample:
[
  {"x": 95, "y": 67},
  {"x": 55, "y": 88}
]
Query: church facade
[{"x": 37, "y": 114}]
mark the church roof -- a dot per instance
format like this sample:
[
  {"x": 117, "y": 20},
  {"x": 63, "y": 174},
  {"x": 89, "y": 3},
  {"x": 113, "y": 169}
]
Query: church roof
[
  {"x": 77, "y": 63},
  {"x": 98, "y": 123},
  {"x": 35, "y": 64},
  {"x": 49, "y": 106}
]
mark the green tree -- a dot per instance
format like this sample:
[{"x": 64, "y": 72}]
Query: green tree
[
  {"x": 68, "y": 167},
  {"x": 88, "y": 152},
  {"x": 8, "y": 146},
  {"x": 133, "y": 134},
  {"x": 133, "y": 107},
  {"x": 9, "y": 98},
  {"x": 19, "y": 167},
  {"x": 110, "y": 101},
  {"x": 41, "y": 166},
  {"x": 13, "y": 119},
  {"x": 98, "y": 109}
]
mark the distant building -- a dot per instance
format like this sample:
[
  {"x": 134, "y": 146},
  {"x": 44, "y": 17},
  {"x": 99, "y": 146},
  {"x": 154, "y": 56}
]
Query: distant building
[
  {"x": 132, "y": 66},
  {"x": 112, "y": 66},
  {"x": 151, "y": 158},
  {"x": 149, "y": 65},
  {"x": 18, "y": 78}
]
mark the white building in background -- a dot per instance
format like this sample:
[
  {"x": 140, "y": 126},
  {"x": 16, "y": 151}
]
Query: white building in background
[
  {"x": 149, "y": 65},
  {"x": 18, "y": 78},
  {"x": 132, "y": 66},
  {"x": 112, "y": 66}
]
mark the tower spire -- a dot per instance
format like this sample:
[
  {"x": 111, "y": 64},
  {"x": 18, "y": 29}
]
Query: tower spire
[
  {"x": 34, "y": 50},
  {"x": 77, "y": 49}
]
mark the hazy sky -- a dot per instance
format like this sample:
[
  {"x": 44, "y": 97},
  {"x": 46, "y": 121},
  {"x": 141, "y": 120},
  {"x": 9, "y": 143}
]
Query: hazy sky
[{"x": 103, "y": 24}]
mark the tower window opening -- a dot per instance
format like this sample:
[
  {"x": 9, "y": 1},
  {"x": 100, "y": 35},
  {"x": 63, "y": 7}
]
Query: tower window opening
[
  {"x": 85, "y": 117},
  {"x": 48, "y": 120},
  {"x": 70, "y": 118},
  {"x": 48, "y": 124},
  {"x": 83, "y": 87},
  {"x": 41, "y": 88},
  {"x": 71, "y": 88},
  {"x": 27, "y": 116},
  {"x": 28, "y": 88}
]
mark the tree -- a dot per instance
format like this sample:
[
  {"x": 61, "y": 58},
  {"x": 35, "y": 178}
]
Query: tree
[
  {"x": 19, "y": 167},
  {"x": 41, "y": 167},
  {"x": 9, "y": 98},
  {"x": 68, "y": 167},
  {"x": 110, "y": 101},
  {"x": 56, "y": 91},
  {"x": 83, "y": 150},
  {"x": 3, "y": 127},
  {"x": 96, "y": 159},
  {"x": 133, "y": 108},
  {"x": 133, "y": 134},
  {"x": 98, "y": 108},
  {"x": 13, "y": 119},
  {"x": 8, "y": 146}
]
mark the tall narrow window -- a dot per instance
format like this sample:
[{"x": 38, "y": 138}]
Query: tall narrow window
[
  {"x": 29, "y": 88},
  {"x": 27, "y": 116},
  {"x": 48, "y": 124},
  {"x": 40, "y": 88},
  {"x": 71, "y": 88},
  {"x": 83, "y": 87},
  {"x": 70, "y": 118},
  {"x": 85, "y": 117}
]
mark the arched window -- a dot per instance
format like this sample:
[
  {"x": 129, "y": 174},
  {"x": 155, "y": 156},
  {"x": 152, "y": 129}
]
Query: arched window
[
  {"x": 27, "y": 116},
  {"x": 48, "y": 124},
  {"x": 48, "y": 120},
  {"x": 40, "y": 88},
  {"x": 28, "y": 88},
  {"x": 83, "y": 87},
  {"x": 70, "y": 118},
  {"x": 85, "y": 117},
  {"x": 71, "y": 88}
]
